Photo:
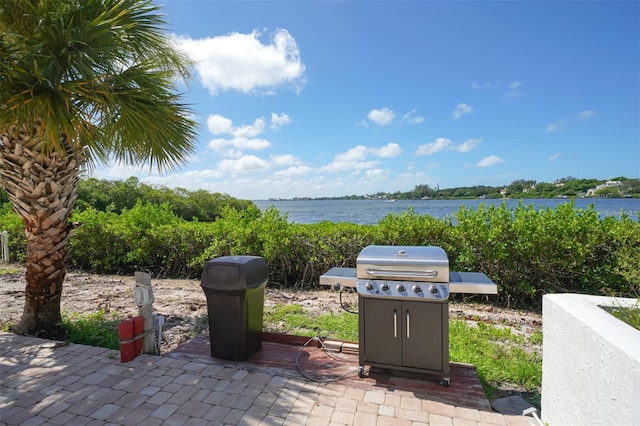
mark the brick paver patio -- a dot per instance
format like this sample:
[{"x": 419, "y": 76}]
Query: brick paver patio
[{"x": 42, "y": 382}]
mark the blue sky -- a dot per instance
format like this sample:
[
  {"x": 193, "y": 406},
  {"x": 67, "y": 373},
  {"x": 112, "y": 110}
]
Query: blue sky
[{"x": 332, "y": 98}]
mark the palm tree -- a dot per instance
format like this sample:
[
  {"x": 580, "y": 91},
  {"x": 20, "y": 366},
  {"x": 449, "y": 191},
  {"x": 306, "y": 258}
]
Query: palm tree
[{"x": 82, "y": 82}]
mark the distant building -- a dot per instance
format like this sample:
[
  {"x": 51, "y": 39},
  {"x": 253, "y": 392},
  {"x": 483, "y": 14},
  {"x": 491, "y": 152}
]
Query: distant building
[{"x": 608, "y": 184}]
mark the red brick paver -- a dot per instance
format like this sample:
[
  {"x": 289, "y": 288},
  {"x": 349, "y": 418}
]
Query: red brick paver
[{"x": 44, "y": 383}]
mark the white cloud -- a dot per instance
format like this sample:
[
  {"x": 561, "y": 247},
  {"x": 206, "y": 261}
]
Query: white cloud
[
  {"x": 444, "y": 144},
  {"x": 489, "y": 161},
  {"x": 231, "y": 153},
  {"x": 219, "y": 144},
  {"x": 586, "y": 114},
  {"x": 254, "y": 179},
  {"x": 219, "y": 125},
  {"x": 512, "y": 88},
  {"x": 554, "y": 127},
  {"x": 243, "y": 63},
  {"x": 278, "y": 121},
  {"x": 119, "y": 171},
  {"x": 351, "y": 160},
  {"x": 411, "y": 118},
  {"x": 440, "y": 144},
  {"x": 204, "y": 174},
  {"x": 348, "y": 166},
  {"x": 388, "y": 151},
  {"x": 355, "y": 160},
  {"x": 284, "y": 160},
  {"x": 413, "y": 177},
  {"x": 513, "y": 94},
  {"x": 250, "y": 130},
  {"x": 381, "y": 117},
  {"x": 555, "y": 157},
  {"x": 192, "y": 179},
  {"x": 360, "y": 152},
  {"x": 357, "y": 153},
  {"x": 461, "y": 109},
  {"x": 254, "y": 144},
  {"x": 243, "y": 137},
  {"x": 468, "y": 145},
  {"x": 514, "y": 91},
  {"x": 294, "y": 171},
  {"x": 376, "y": 174},
  {"x": 244, "y": 164},
  {"x": 476, "y": 86},
  {"x": 561, "y": 124}
]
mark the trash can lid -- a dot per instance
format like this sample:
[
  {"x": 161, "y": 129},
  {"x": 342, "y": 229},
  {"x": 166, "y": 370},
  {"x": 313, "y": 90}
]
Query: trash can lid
[{"x": 234, "y": 273}]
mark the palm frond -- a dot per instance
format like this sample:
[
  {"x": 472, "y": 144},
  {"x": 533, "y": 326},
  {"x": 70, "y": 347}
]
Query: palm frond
[{"x": 101, "y": 72}]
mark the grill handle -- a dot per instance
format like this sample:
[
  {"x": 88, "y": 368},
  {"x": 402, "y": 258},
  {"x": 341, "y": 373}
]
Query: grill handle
[
  {"x": 408, "y": 325},
  {"x": 395, "y": 323},
  {"x": 402, "y": 274}
]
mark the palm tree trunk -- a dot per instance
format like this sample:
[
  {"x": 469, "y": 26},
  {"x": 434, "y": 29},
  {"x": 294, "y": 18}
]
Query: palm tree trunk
[
  {"x": 42, "y": 188},
  {"x": 45, "y": 272}
]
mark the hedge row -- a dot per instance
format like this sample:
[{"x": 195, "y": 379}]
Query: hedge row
[{"x": 527, "y": 252}]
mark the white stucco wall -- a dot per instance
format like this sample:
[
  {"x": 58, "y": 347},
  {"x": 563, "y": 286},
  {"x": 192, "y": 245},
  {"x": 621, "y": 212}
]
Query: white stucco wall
[{"x": 590, "y": 363}]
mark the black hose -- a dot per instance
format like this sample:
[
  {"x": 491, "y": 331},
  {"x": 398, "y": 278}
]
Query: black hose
[
  {"x": 316, "y": 379},
  {"x": 344, "y": 307}
]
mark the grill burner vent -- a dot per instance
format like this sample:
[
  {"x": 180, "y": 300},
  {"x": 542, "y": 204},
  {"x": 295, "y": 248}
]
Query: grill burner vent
[{"x": 400, "y": 289}]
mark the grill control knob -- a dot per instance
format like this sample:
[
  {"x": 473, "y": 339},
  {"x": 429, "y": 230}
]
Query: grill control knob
[
  {"x": 369, "y": 286},
  {"x": 417, "y": 288},
  {"x": 433, "y": 289},
  {"x": 400, "y": 288},
  {"x": 384, "y": 287}
]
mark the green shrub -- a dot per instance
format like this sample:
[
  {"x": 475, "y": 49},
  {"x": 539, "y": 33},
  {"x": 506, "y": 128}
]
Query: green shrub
[
  {"x": 623, "y": 267},
  {"x": 530, "y": 252},
  {"x": 412, "y": 229},
  {"x": 526, "y": 252},
  {"x": 318, "y": 247},
  {"x": 10, "y": 222},
  {"x": 96, "y": 244}
]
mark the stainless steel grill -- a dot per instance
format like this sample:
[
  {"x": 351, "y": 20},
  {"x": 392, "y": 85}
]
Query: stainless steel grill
[{"x": 403, "y": 304}]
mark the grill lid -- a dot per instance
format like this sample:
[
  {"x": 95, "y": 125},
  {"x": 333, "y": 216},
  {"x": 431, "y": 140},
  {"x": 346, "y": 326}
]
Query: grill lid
[{"x": 408, "y": 263}]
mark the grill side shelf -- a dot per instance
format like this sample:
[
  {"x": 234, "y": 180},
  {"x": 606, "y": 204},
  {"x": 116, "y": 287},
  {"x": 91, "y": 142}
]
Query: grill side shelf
[
  {"x": 459, "y": 282},
  {"x": 471, "y": 283},
  {"x": 337, "y": 278}
]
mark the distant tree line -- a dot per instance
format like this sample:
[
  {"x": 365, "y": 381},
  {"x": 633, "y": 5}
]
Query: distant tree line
[
  {"x": 565, "y": 187},
  {"x": 122, "y": 195}
]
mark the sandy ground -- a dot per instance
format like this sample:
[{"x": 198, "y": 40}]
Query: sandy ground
[{"x": 184, "y": 305}]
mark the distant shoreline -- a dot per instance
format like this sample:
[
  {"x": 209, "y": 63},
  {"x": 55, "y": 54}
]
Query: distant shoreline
[
  {"x": 636, "y": 196},
  {"x": 566, "y": 188}
]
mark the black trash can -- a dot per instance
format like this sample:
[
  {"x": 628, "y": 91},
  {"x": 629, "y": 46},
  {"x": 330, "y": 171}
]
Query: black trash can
[{"x": 234, "y": 286}]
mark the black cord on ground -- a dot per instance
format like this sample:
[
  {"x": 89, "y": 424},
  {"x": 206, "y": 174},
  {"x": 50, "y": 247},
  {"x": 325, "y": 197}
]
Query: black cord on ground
[
  {"x": 343, "y": 306},
  {"x": 316, "y": 379}
]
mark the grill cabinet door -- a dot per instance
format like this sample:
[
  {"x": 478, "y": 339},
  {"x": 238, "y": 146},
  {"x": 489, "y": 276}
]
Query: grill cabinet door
[
  {"x": 422, "y": 335},
  {"x": 382, "y": 334}
]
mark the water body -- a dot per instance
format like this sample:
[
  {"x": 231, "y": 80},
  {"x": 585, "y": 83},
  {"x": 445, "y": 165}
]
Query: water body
[{"x": 371, "y": 211}]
